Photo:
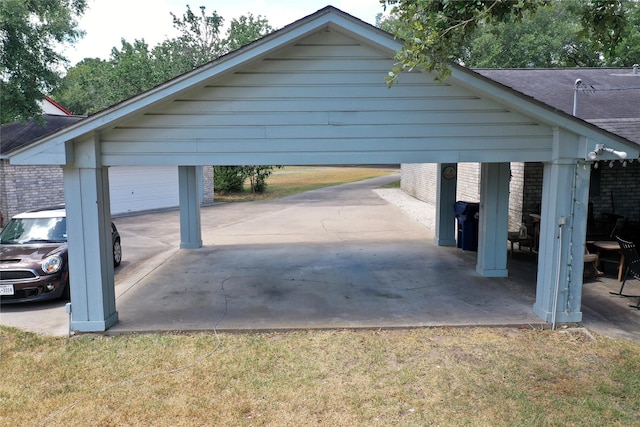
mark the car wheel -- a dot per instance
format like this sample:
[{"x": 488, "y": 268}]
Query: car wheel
[{"x": 117, "y": 253}]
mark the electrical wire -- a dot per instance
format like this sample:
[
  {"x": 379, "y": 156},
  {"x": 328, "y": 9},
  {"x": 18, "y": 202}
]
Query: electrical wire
[
  {"x": 153, "y": 374},
  {"x": 616, "y": 89}
]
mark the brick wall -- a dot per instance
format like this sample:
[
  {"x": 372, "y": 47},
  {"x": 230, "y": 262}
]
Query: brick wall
[
  {"x": 419, "y": 180},
  {"x": 468, "y": 185},
  {"x": 532, "y": 192},
  {"x": 29, "y": 187},
  {"x": 616, "y": 190},
  {"x": 207, "y": 184},
  {"x": 516, "y": 196}
]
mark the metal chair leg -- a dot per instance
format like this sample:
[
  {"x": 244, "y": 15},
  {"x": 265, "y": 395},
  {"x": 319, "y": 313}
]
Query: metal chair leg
[
  {"x": 624, "y": 280},
  {"x": 637, "y": 304}
]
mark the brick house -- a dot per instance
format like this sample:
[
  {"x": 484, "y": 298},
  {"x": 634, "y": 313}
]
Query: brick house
[
  {"x": 28, "y": 187},
  {"x": 606, "y": 97}
]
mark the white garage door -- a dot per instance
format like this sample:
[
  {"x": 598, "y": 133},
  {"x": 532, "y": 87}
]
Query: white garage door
[{"x": 142, "y": 188}]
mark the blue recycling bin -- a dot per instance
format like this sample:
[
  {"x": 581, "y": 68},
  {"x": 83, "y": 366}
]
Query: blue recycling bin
[{"x": 467, "y": 214}]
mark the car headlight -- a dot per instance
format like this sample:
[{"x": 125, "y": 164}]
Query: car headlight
[{"x": 52, "y": 264}]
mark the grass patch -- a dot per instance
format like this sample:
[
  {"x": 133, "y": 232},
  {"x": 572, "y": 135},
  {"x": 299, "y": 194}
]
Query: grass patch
[
  {"x": 297, "y": 179},
  {"x": 394, "y": 184},
  {"x": 435, "y": 376}
]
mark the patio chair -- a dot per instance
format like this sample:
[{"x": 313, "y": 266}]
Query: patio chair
[{"x": 631, "y": 265}]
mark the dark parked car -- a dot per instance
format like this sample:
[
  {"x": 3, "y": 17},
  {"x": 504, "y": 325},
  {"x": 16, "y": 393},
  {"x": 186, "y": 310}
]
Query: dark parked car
[{"x": 33, "y": 256}]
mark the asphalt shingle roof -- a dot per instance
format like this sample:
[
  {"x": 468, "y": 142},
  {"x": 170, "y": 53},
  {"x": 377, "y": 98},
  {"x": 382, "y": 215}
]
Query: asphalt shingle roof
[
  {"x": 607, "y": 97},
  {"x": 18, "y": 134}
]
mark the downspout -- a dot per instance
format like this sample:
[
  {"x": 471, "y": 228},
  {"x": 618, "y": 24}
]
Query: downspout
[{"x": 561, "y": 223}]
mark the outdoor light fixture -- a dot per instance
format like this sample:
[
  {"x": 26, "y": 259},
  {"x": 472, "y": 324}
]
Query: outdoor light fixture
[{"x": 593, "y": 155}]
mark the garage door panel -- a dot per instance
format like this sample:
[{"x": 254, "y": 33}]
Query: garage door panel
[{"x": 142, "y": 188}]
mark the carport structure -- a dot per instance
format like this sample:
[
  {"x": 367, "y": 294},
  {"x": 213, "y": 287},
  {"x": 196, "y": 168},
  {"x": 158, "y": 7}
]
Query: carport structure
[{"x": 314, "y": 93}]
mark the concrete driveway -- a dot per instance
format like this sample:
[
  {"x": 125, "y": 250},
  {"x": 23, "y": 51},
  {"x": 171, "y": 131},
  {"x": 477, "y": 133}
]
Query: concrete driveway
[{"x": 331, "y": 258}]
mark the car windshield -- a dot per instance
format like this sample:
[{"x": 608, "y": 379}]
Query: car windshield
[{"x": 34, "y": 230}]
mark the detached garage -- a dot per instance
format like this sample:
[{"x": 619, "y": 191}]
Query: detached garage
[
  {"x": 139, "y": 189},
  {"x": 314, "y": 93}
]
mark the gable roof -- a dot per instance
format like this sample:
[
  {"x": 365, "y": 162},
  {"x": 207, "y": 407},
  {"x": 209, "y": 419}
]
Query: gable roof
[
  {"x": 51, "y": 148},
  {"x": 49, "y": 106}
]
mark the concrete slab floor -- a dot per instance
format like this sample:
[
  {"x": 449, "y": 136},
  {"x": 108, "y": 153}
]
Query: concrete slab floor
[{"x": 339, "y": 257}]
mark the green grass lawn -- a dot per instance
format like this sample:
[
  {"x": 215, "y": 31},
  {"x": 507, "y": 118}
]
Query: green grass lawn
[
  {"x": 400, "y": 377},
  {"x": 297, "y": 179},
  {"x": 413, "y": 377}
]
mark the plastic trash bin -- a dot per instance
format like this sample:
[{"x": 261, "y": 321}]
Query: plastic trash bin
[{"x": 467, "y": 214}]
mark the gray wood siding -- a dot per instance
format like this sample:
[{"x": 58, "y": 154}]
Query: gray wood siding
[{"x": 324, "y": 100}]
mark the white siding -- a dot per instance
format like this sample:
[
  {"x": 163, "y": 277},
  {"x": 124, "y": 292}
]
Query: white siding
[
  {"x": 323, "y": 100},
  {"x": 142, "y": 188}
]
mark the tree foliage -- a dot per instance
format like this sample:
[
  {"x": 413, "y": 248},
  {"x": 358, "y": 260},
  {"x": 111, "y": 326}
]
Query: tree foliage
[
  {"x": 30, "y": 33},
  {"x": 244, "y": 30},
  {"x": 199, "y": 39},
  {"x": 437, "y": 32},
  {"x": 231, "y": 179},
  {"x": 85, "y": 88},
  {"x": 135, "y": 66},
  {"x": 548, "y": 38},
  {"x": 94, "y": 84},
  {"x": 228, "y": 179}
]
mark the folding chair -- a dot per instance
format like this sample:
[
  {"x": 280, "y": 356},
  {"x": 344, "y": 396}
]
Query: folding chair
[{"x": 631, "y": 267}]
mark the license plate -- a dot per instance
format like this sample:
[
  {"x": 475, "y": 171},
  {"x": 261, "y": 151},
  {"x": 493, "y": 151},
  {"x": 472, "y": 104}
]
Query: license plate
[{"x": 6, "y": 289}]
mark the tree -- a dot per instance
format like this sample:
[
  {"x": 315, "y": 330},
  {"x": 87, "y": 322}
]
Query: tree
[
  {"x": 85, "y": 88},
  {"x": 437, "y": 31},
  {"x": 228, "y": 179},
  {"x": 133, "y": 70},
  {"x": 258, "y": 176},
  {"x": 135, "y": 67},
  {"x": 627, "y": 51},
  {"x": 30, "y": 32},
  {"x": 231, "y": 179},
  {"x": 244, "y": 30},
  {"x": 545, "y": 39},
  {"x": 199, "y": 41}
]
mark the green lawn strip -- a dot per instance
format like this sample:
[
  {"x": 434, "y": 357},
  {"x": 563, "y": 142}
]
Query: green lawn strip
[
  {"x": 297, "y": 179},
  {"x": 437, "y": 376}
]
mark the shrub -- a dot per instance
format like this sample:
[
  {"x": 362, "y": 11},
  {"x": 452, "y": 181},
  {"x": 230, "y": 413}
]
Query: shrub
[{"x": 230, "y": 179}]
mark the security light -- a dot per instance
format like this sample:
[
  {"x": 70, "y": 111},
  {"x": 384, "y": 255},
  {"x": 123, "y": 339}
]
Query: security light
[{"x": 593, "y": 155}]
